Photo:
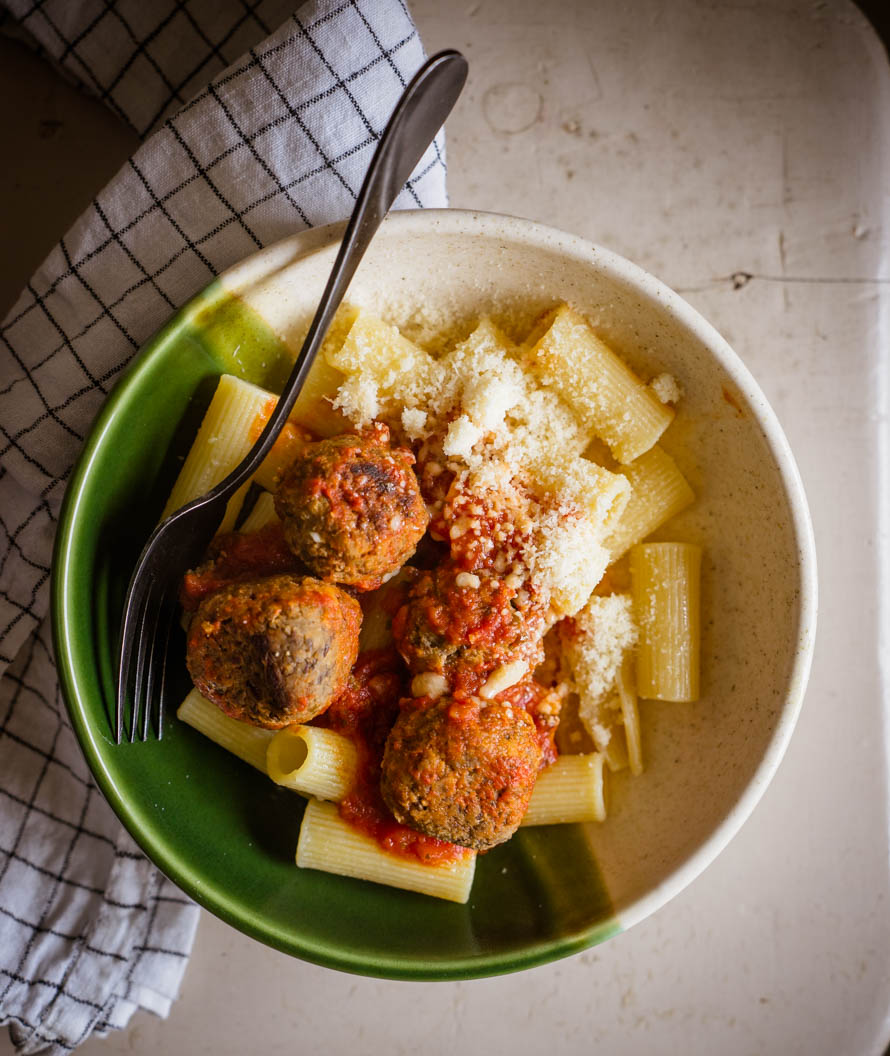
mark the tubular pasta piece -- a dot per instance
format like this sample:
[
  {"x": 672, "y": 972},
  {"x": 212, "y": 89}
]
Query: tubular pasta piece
[
  {"x": 312, "y": 760},
  {"x": 247, "y": 742},
  {"x": 329, "y": 843},
  {"x": 571, "y": 789},
  {"x": 601, "y": 494},
  {"x": 314, "y": 408},
  {"x": 630, "y": 713},
  {"x": 378, "y": 348},
  {"x": 658, "y": 492},
  {"x": 262, "y": 514},
  {"x": 231, "y": 425},
  {"x": 288, "y": 444},
  {"x": 225, "y": 437},
  {"x": 616, "y": 750},
  {"x": 599, "y": 386},
  {"x": 582, "y": 500},
  {"x": 666, "y": 593}
]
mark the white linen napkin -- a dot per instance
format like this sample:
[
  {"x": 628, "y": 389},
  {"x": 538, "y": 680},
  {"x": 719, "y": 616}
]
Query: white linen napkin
[{"x": 276, "y": 142}]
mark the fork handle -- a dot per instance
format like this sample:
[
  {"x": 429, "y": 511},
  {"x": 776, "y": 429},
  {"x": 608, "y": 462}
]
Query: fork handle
[{"x": 418, "y": 116}]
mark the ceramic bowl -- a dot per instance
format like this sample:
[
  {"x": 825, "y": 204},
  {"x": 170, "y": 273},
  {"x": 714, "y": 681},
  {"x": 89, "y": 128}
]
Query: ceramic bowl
[{"x": 226, "y": 835}]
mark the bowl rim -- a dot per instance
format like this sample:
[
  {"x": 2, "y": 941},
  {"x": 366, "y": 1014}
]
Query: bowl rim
[{"x": 298, "y": 247}]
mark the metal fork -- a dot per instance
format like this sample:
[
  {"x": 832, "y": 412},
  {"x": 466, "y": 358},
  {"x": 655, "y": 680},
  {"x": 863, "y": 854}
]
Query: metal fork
[{"x": 180, "y": 541}]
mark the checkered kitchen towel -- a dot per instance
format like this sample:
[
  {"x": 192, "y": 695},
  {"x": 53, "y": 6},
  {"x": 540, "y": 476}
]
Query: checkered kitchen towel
[{"x": 279, "y": 140}]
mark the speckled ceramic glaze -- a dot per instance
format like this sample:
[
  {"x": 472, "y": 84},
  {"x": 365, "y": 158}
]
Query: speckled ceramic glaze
[{"x": 227, "y": 837}]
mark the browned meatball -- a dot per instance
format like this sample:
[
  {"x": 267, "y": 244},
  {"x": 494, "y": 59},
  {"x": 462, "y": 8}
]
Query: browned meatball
[
  {"x": 461, "y": 771},
  {"x": 464, "y": 625},
  {"x": 274, "y": 651},
  {"x": 351, "y": 508}
]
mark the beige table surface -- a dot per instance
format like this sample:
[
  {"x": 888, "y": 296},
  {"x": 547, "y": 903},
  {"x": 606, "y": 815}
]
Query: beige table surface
[{"x": 739, "y": 150}]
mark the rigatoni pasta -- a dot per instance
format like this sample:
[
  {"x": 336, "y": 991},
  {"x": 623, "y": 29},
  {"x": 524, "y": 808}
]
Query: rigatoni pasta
[
  {"x": 313, "y": 410},
  {"x": 667, "y": 593},
  {"x": 240, "y": 738},
  {"x": 378, "y": 362},
  {"x": 599, "y": 386},
  {"x": 329, "y": 843},
  {"x": 224, "y": 438},
  {"x": 658, "y": 491},
  {"x": 570, "y": 790},
  {"x": 262, "y": 514},
  {"x": 312, "y": 760},
  {"x": 625, "y": 684},
  {"x": 231, "y": 425}
]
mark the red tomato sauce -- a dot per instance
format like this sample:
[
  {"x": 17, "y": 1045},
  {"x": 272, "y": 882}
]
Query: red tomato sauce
[
  {"x": 365, "y": 712},
  {"x": 466, "y": 616},
  {"x": 483, "y": 619},
  {"x": 235, "y": 557}
]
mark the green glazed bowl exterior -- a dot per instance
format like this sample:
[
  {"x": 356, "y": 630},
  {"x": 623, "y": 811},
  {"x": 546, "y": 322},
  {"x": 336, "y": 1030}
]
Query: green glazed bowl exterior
[{"x": 225, "y": 834}]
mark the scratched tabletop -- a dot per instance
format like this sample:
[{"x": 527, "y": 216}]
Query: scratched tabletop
[{"x": 739, "y": 151}]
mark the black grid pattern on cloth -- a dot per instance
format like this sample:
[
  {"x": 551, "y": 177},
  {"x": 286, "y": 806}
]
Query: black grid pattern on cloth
[
  {"x": 276, "y": 142},
  {"x": 145, "y": 60},
  {"x": 80, "y": 907}
]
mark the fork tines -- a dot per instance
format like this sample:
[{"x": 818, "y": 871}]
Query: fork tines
[{"x": 147, "y": 629}]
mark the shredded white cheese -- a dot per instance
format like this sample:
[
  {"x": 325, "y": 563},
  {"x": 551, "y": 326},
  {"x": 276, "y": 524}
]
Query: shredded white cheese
[
  {"x": 461, "y": 437},
  {"x": 666, "y": 388},
  {"x": 429, "y": 684},
  {"x": 502, "y": 678},
  {"x": 414, "y": 422},
  {"x": 601, "y": 634},
  {"x": 358, "y": 400}
]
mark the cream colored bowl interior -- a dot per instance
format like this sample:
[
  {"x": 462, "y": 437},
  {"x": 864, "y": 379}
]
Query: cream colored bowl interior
[{"x": 707, "y": 763}]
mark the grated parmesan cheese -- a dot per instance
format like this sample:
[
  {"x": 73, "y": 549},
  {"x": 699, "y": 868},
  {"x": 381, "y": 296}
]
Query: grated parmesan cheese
[
  {"x": 487, "y": 400},
  {"x": 502, "y": 678},
  {"x": 413, "y": 422},
  {"x": 666, "y": 388},
  {"x": 594, "y": 647},
  {"x": 461, "y": 437},
  {"x": 429, "y": 684},
  {"x": 357, "y": 399}
]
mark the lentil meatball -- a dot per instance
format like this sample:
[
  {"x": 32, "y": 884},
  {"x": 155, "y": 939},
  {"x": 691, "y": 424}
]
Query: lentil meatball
[
  {"x": 274, "y": 651},
  {"x": 351, "y": 508},
  {"x": 464, "y": 625},
  {"x": 461, "y": 771}
]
